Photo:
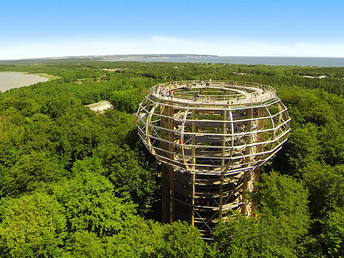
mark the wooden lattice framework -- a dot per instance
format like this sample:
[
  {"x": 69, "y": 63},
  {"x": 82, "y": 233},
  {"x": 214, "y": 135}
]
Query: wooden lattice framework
[{"x": 211, "y": 138}]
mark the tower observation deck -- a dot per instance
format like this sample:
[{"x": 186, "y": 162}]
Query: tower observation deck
[{"x": 211, "y": 139}]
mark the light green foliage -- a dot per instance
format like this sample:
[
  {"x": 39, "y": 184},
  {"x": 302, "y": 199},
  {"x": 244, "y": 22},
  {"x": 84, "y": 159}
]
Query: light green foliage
[
  {"x": 89, "y": 203},
  {"x": 317, "y": 130},
  {"x": 181, "y": 240},
  {"x": 88, "y": 165},
  {"x": 302, "y": 147},
  {"x": 8, "y": 157},
  {"x": 59, "y": 105},
  {"x": 80, "y": 133},
  {"x": 131, "y": 180},
  {"x": 31, "y": 226},
  {"x": 120, "y": 126},
  {"x": 333, "y": 233},
  {"x": 24, "y": 105},
  {"x": 283, "y": 211},
  {"x": 31, "y": 171},
  {"x": 141, "y": 239},
  {"x": 50, "y": 143},
  {"x": 309, "y": 106},
  {"x": 127, "y": 101},
  {"x": 39, "y": 132},
  {"x": 87, "y": 244},
  {"x": 151, "y": 239},
  {"x": 277, "y": 230},
  {"x": 238, "y": 237},
  {"x": 282, "y": 195},
  {"x": 332, "y": 138}
]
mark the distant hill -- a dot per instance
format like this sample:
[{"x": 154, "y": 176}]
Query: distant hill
[{"x": 106, "y": 57}]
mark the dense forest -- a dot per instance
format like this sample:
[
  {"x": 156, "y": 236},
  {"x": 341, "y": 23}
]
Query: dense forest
[{"x": 75, "y": 183}]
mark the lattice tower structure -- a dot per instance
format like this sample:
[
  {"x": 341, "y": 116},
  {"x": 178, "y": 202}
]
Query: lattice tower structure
[{"x": 211, "y": 139}]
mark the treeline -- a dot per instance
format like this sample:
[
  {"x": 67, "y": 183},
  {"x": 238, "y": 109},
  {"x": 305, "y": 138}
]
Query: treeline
[
  {"x": 330, "y": 79},
  {"x": 79, "y": 184}
]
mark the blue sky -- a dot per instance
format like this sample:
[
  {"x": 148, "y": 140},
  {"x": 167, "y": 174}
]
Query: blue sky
[{"x": 229, "y": 28}]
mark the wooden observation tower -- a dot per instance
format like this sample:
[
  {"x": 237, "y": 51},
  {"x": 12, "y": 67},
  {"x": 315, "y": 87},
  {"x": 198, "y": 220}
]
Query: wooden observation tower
[{"x": 211, "y": 139}]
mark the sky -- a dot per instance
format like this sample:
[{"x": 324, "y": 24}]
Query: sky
[{"x": 34, "y": 29}]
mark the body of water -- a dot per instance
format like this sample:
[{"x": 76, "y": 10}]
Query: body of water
[
  {"x": 299, "y": 61},
  {"x": 10, "y": 80}
]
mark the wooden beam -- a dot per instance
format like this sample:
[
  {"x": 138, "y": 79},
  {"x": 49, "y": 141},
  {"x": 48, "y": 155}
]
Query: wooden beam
[
  {"x": 223, "y": 162},
  {"x": 247, "y": 159},
  {"x": 170, "y": 137},
  {"x": 193, "y": 176}
]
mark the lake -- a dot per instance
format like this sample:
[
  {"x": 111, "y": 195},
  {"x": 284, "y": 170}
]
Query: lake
[{"x": 10, "y": 80}]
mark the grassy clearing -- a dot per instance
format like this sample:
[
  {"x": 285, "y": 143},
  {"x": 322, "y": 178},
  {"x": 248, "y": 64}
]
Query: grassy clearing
[{"x": 49, "y": 76}]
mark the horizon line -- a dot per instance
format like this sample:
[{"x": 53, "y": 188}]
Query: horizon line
[{"x": 180, "y": 54}]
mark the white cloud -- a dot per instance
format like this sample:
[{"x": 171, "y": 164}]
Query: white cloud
[{"x": 167, "y": 45}]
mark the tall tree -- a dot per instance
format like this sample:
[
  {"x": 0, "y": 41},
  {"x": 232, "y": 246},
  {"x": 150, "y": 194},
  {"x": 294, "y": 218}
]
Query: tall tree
[
  {"x": 278, "y": 229},
  {"x": 32, "y": 226},
  {"x": 90, "y": 204}
]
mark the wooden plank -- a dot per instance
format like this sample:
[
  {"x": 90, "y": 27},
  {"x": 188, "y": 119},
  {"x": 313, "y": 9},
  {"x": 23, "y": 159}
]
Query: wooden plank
[{"x": 194, "y": 129}]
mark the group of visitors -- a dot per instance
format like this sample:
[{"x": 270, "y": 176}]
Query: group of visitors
[{"x": 163, "y": 90}]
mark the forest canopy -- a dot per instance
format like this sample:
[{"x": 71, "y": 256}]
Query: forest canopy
[{"x": 75, "y": 183}]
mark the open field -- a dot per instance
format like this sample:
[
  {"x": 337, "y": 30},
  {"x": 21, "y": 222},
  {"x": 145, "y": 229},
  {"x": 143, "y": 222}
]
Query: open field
[{"x": 100, "y": 106}]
